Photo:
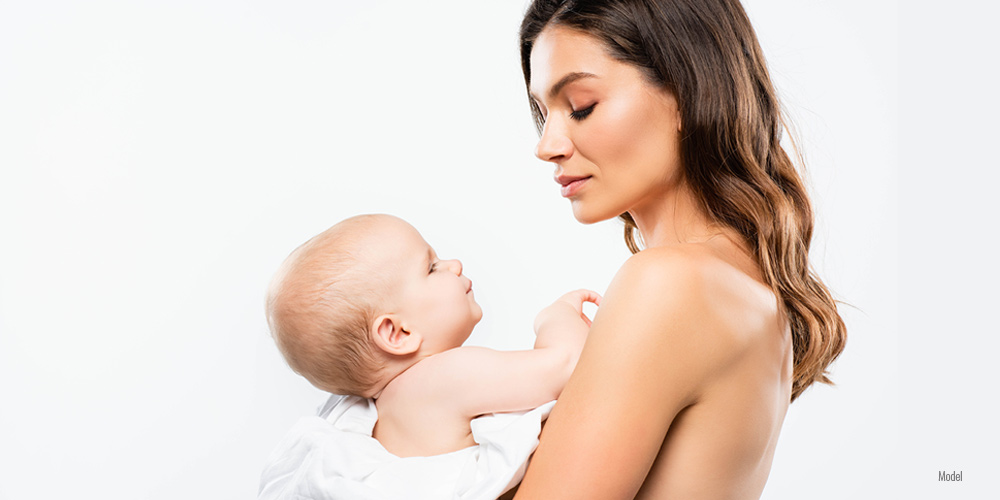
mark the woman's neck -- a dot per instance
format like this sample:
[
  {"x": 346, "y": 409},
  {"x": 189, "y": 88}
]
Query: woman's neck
[{"x": 673, "y": 218}]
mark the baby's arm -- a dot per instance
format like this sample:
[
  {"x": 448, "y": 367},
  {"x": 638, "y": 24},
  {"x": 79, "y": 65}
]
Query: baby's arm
[
  {"x": 477, "y": 380},
  {"x": 558, "y": 325}
]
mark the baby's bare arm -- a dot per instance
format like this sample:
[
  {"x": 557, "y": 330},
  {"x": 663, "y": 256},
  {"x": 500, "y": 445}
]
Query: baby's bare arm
[
  {"x": 477, "y": 380},
  {"x": 563, "y": 323}
]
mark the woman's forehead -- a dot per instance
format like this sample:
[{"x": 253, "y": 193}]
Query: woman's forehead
[{"x": 558, "y": 52}]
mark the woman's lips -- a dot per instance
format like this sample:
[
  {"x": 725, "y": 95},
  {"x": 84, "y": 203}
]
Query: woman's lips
[{"x": 571, "y": 185}]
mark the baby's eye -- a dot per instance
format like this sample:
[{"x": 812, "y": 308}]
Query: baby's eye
[{"x": 433, "y": 267}]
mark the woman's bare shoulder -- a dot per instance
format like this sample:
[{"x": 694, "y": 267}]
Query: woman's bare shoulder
[
  {"x": 714, "y": 265},
  {"x": 668, "y": 266},
  {"x": 694, "y": 291}
]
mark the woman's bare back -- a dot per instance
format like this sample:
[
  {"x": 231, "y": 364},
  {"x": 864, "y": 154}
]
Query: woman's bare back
[
  {"x": 721, "y": 446},
  {"x": 682, "y": 386}
]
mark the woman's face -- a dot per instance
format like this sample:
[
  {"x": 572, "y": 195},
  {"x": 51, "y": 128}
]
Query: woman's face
[{"x": 614, "y": 137}]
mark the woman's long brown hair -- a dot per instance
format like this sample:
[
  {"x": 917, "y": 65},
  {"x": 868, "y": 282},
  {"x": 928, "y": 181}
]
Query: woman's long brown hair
[{"x": 706, "y": 53}]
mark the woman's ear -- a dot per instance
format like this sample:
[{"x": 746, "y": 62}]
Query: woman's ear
[{"x": 388, "y": 333}]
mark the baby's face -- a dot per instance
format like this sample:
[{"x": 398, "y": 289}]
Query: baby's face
[{"x": 433, "y": 297}]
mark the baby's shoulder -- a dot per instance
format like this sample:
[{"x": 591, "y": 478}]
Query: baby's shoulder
[
  {"x": 453, "y": 361},
  {"x": 415, "y": 416},
  {"x": 418, "y": 410},
  {"x": 431, "y": 377}
]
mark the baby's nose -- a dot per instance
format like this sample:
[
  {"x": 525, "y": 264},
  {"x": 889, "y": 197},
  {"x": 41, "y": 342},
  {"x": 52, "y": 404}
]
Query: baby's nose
[{"x": 455, "y": 266}]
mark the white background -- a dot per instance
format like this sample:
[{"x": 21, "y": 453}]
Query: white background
[{"x": 159, "y": 160}]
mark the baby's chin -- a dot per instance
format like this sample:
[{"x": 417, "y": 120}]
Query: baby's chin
[
  {"x": 472, "y": 325},
  {"x": 474, "y": 320}
]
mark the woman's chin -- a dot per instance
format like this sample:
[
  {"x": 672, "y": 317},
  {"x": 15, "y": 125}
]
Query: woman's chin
[{"x": 585, "y": 214}]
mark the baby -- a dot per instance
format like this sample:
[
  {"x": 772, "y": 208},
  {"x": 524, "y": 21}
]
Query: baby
[{"x": 367, "y": 309}]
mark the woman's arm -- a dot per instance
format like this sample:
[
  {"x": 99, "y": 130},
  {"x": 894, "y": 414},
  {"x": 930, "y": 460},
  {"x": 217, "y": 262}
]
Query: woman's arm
[{"x": 654, "y": 345}]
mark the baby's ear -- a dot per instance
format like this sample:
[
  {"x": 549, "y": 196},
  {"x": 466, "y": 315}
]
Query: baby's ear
[{"x": 388, "y": 333}]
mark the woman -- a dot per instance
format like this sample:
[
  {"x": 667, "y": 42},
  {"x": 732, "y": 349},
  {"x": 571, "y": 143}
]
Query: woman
[{"x": 662, "y": 112}]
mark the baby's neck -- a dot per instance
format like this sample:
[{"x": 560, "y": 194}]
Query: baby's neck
[{"x": 392, "y": 369}]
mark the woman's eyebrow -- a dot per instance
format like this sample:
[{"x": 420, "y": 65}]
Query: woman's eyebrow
[{"x": 564, "y": 81}]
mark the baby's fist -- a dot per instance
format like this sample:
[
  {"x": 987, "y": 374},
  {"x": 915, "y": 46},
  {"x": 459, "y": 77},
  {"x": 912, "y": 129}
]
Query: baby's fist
[{"x": 568, "y": 308}]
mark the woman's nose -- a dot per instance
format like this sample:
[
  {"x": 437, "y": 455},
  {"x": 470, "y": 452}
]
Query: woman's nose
[
  {"x": 554, "y": 145},
  {"x": 454, "y": 265}
]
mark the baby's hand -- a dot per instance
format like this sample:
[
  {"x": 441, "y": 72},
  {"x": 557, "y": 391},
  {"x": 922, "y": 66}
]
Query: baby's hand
[{"x": 567, "y": 312}]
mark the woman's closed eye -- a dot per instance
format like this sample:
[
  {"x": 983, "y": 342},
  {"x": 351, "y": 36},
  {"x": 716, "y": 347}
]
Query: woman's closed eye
[{"x": 579, "y": 115}]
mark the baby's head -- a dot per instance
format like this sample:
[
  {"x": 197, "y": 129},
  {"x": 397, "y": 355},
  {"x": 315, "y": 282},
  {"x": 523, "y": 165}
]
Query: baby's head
[{"x": 364, "y": 300}]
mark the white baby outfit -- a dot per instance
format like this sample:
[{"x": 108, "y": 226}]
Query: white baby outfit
[{"x": 333, "y": 456}]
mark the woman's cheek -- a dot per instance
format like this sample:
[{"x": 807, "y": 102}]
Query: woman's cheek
[{"x": 610, "y": 136}]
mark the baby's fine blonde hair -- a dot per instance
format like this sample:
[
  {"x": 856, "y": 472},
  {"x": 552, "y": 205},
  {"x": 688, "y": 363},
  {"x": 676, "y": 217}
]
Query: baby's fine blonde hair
[{"x": 320, "y": 306}]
